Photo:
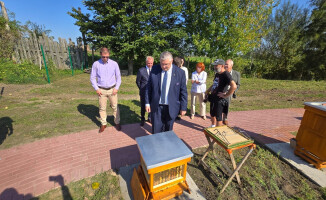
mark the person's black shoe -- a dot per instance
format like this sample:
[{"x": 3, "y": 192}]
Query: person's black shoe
[
  {"x": 118, "y": 127},
  {"x": 149, "y": 120},
  {"x": 178, "y": 118},
  {"x": 142, "y": 123}
]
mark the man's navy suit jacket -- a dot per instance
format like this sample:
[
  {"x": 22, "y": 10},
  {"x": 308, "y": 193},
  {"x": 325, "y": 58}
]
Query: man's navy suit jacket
[
  {"x": 142, "y": 79},
  {"x": 177, "y": 96}
]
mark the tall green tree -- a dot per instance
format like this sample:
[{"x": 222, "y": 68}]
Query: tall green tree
[
  {"x": 226, "y": 28},
  {"x": 316, "y": 42},
  {"x": 281, "y": 54},
  {"x": 132, "y": 29}
]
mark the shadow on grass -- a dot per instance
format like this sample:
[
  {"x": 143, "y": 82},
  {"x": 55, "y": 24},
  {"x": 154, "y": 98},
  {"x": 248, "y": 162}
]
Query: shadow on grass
[
  {"x": 64, "y": 189},
  {"x": 127, "y": 116},
  {"x": 136, "y": 102},
  {"x": 6, "y": 128},
  {"x": 90, "y": 111}
]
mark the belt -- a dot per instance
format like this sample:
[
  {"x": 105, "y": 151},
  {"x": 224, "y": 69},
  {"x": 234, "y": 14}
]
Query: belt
[{"x": 109, "y": 88}]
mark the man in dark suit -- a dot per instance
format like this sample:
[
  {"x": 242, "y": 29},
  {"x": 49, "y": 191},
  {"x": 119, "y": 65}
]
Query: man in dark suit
[
  {"x": 166, "y": 94},
  {"x": 141, "y": 81}
]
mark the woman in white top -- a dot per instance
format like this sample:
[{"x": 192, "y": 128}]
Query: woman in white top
[{"x": 198, "y": 88}]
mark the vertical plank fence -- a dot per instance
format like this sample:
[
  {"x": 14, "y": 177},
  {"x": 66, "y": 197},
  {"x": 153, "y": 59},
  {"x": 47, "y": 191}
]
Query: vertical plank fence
[{"x": 28, "y": 49}]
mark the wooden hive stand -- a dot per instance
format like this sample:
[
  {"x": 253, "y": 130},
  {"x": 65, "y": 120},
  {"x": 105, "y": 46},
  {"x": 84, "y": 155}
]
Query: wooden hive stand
[{"x": 229, "y": 139}]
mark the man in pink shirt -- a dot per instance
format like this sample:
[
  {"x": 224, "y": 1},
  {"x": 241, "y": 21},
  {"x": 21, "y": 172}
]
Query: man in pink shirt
[{"x": 106, "y": 80}]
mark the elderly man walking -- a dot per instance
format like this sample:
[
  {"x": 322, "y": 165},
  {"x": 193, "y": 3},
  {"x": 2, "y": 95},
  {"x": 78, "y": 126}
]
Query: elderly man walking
[
  {"x": 166, "y": 94},
  {"x": 141, "y": 81},
  {"x": 106, "y": 80}
]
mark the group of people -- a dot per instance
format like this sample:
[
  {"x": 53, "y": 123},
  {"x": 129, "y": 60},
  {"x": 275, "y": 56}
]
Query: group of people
[{"x": 163, "y": 90}]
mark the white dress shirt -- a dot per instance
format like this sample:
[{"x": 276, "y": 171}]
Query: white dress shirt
[
  {"x": 186, "y": 72},
  {"x": 201, "y": 86},
  {"x": 168, "y": 81},
  {"x": 147, "y": 69}
]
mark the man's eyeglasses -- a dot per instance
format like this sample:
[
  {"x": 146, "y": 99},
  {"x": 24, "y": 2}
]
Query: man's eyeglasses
[{"x": 105, "y": 56}]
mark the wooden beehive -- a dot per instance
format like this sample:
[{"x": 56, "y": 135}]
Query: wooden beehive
[
  {"x": 311, "y": 137},
  {"x": 163, "y": 165}
]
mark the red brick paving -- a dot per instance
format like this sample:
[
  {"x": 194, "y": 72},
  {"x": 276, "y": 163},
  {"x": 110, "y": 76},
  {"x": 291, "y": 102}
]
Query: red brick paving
[{"x": 25, "y": 170}]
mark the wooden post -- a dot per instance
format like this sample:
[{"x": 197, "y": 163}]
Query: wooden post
[
  {"x": 27, "y": 50},
  {"x": 57, "y": 54},
  {"x": 92, "y": 55},
  {"x": 4, "y": 14},
  {"x": 65, "y": 53},
  {"x": 79, "y": 52},
  {"x": 85, "y": 56},
  {"x": 37, "y": 49},
  {"x": 41, "y": 43},
  {"x": 23, "y": 49}
]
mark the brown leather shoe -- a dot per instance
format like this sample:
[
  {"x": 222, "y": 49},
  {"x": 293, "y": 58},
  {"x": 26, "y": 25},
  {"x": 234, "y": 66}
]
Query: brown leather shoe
[
  {"x": 118, "y": 127},
  {"x": 102, "y": 128}
]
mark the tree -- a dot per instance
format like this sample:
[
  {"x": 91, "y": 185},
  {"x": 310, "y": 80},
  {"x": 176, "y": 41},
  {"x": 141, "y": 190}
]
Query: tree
[
  {"x": 31, "y": 27},
  {"x": 226, "y": 28},
  {"x": 281, "y": 53},
  {"x": 316, "y": 42},
  {"x": 132, "y": 29}
]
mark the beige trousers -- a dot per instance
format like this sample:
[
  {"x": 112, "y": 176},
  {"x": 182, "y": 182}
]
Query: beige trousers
[
  {"x": 107, "y": 94},
  {"x": 202, "y": 104}
]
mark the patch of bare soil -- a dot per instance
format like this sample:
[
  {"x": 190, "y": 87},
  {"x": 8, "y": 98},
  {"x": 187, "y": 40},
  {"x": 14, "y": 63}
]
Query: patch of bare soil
[{"x": 263, "y": 176}]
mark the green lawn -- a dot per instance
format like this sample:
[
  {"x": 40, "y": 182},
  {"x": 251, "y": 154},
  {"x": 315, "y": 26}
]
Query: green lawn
[
  {"x": 31, "y": 112},
  {"x": 101, "y": 186}
]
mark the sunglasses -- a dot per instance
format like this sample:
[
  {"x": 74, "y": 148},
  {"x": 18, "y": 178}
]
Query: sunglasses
[{"x": 105, "y": 56}]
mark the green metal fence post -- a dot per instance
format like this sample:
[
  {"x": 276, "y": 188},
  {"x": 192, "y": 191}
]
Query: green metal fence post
[
  {"x": 72, "y": 69},
  {"x": 46, "y": 68}
]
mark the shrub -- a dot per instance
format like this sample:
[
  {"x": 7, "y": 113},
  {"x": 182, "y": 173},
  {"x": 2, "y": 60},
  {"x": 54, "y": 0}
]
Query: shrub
[{"x": 29, "y": 73}]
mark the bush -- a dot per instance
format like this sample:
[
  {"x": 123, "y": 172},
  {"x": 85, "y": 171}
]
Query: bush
[
  {"x": 29, "y": 73},
  {"x": 8, "y": 37}
]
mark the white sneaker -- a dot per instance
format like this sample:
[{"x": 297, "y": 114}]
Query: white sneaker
[{"x": 211, "y": 126}]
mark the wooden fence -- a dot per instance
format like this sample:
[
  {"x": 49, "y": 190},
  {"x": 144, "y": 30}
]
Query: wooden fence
[{"x": 29, "y": 49}]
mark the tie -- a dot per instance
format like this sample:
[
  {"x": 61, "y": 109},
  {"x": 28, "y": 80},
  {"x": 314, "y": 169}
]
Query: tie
[{"x": 164, "y": 88}]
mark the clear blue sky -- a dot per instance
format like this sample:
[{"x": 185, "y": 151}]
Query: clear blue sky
[{"x": 53, "y": 14}]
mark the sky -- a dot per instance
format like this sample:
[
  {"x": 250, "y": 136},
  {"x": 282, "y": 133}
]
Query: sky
[{"x": 53, "y": 14}]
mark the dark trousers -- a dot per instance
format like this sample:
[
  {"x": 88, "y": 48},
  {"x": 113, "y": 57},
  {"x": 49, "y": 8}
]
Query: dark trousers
[
  {"x": 161, "y": 120},
  {"x": 143, "y": 110}
]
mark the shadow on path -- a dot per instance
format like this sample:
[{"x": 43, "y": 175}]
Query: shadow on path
[{"x": 12, "y": 194}]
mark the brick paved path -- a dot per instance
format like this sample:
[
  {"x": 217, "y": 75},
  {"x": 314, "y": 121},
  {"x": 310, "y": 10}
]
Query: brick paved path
[{"x": 25, "y": 170}]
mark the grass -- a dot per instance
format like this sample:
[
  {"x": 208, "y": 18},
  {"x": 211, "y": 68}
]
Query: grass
[
  {"x": 101, "y": 186},
  {"x": 263, "y": 176},
  {"x": 70, "y": 104}
]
